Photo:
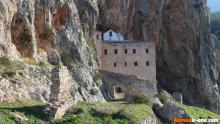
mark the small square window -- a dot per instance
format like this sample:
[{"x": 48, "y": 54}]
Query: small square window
[
  {"x": 147, "y": 51},
  {"x": 125, "y": 63},
  {"x": 115, "y": 64},
  {"x": 134, "y": 51},
  {"x": 135, "y": 63},
  {"x": 147, "y": 63},
  {"x": 105, "y": 51},
  {"x": 116, "y": 51},
  {"x": 126, "y": 51}
]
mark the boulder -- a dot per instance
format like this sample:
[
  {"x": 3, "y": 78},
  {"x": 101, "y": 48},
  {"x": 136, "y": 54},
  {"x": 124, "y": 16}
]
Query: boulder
[{"x": 168, "y": 112}]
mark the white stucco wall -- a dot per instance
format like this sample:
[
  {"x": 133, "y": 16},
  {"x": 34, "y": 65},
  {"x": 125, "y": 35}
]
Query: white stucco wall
[{"x": 115, "y": 36}]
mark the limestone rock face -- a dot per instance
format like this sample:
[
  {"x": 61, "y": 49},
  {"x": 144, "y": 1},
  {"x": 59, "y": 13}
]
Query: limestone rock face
[
  {"x": 27, "y": 83},
  {"x": 6, "y": 16},
  {"x": 185, "y": 51},
  {"x": 217, "y": 51},
  {"x": 88, "y": 89},
  {"x": 186, "y": 61},
  {"x": 55, "y": 31},
  {"x": 22, "y": 29},
  {"x": 139, "y": 19}
]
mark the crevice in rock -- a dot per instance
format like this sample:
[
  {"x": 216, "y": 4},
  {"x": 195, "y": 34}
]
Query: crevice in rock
[
  {"x": 21, "y": 36},
  {"x": 45, "y": 34},
  {"x": 59, "y": 17}
]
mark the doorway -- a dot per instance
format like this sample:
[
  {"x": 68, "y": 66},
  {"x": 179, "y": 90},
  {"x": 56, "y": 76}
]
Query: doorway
[{"x": 119, "y": 92}]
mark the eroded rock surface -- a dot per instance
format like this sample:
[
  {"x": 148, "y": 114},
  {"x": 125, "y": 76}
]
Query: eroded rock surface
[
  {"x": 166, "y": 108},
  {"x": 53, "y": 31},
  {"x": 27, "y": 83}
]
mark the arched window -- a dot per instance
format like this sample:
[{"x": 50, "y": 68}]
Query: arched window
[{"x": 110, "y": 34}]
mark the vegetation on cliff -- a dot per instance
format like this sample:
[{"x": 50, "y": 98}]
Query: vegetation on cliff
[
  {"x": 215, "y": 24},
  {"x": 197, "y": 113},
  {"x": 22, "y": 112},
  {"x": 31, "y": 112},
  {"x": 82, "y": 113}
]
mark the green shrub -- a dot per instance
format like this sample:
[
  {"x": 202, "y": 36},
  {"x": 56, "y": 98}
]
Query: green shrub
[
  {"x": 33, "y": 110},
  {"x": 5, "y": 61},
  {"x": 197, "y": 112},
  {"x": 65, "y": 55},
  {"x": 8, "y": 73},
  {"x": 77, "y": 111},
  {"x": 165, "y": 97},
  {"x": 30, "y": 61},
  {"x": 41, "y": 63},
  {"x": 142, "y": 99},
  {"x": 215, "y": 24},
  {"x": 66, "y": 58},
  {"x": 119, "y": 115}
]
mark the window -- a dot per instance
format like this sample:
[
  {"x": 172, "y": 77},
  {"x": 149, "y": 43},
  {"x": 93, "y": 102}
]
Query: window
[
  {"x": 135, "y": 63},
  {"x": 115, "y": 64},
  {"x": 134, "y": 51},
  {"x": 116, "y": 51},
  {"x": 126, "y": 51},
  {"x": 110, "y": 34},
  {"x": 125, "y": 64},
  {"x": 147, "y": 63},
  {"x": 105, "y": 51},
  {"x": 147, "y": 51}
]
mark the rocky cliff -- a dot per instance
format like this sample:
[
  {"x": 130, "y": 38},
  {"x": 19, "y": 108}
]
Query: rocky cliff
[
  {"x": 185, "y": 51},
  {"x": 46, "y": 31},
  {"x": 59, "y": 32}
]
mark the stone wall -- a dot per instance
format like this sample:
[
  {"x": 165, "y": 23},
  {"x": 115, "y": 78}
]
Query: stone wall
[
  {"x": 130, "y": 58},
  {"x": 130, "y": 85},
  {"x": 60, "y": 97}
]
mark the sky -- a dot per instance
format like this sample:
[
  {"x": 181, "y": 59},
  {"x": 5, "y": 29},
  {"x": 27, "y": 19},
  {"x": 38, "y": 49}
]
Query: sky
[{"x": 214, "y": 5}]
